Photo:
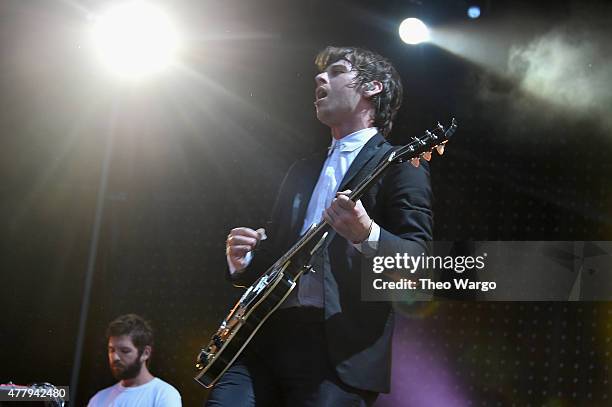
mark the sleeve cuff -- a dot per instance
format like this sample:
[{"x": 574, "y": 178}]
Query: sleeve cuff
[{"x": 369, "y": 246}]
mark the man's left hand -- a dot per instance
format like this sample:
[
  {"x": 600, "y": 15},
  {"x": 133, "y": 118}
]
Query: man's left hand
[{"x": 348, "y": 218}]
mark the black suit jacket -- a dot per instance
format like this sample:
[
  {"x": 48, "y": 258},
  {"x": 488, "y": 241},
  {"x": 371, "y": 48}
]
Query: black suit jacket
[{"x": 359, "y": 333}]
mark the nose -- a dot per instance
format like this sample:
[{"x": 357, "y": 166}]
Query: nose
[
  {"x": 114, "y": 356},
  {"x": 321, "y": 79}
]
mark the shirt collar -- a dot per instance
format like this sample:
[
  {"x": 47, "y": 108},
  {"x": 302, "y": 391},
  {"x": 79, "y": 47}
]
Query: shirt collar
[{"x": 354, "y": 140}]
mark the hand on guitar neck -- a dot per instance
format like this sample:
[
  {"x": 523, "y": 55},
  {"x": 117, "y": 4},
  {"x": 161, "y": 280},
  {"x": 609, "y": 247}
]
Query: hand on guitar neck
[{"x": 348, "y": 218}]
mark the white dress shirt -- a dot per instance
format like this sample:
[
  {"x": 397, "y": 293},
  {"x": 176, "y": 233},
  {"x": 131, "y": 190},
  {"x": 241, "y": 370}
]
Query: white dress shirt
[{"x": 341, "y": 155}]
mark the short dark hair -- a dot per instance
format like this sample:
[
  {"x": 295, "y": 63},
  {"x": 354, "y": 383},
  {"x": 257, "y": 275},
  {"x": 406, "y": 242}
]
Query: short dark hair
[
  {"x": 135, "y": 327},
  {"x": 370, "y": 67}
]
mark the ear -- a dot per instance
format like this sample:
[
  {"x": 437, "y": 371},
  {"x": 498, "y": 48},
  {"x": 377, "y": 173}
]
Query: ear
[
  {"x": 372, "y": 88},
  {"x": 146, "y": 353}
]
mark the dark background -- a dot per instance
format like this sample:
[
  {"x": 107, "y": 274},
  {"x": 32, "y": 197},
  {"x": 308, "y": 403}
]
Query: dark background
[{"x": 203, "y": 148}]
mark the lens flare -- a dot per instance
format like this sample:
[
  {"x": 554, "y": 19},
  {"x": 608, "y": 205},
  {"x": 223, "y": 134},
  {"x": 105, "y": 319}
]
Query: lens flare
[
  {"x": 135, "y": 39},
  {"x": 473, "y": 12},
  {"x": 413, "y": 31}
]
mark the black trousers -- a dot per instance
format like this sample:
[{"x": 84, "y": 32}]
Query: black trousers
[{"x": 286, "y": 364}]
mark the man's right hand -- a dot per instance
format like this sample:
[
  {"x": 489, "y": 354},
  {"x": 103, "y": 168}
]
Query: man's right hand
[{"x": 241, "y": 241}]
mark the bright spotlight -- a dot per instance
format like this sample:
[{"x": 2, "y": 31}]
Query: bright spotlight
[
  {"x": 413, "y": 31},
  {"x": 135, "y": 39},
  {"x": 473, "y": 12}
]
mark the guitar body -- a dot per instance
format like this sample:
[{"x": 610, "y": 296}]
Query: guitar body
[{"x": 242, "y": 323}]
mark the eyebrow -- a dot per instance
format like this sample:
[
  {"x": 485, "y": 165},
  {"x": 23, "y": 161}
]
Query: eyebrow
[{"x": 337, "y": 65}]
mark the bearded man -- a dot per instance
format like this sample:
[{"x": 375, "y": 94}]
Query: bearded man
[{"x": 130, "y": 346}]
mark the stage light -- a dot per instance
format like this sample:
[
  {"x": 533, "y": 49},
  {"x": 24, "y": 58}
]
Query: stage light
[
  {"x": 473, "y": 12},
  {"x": 135, "y": 39},
  {"x": 413, "y": 31}
]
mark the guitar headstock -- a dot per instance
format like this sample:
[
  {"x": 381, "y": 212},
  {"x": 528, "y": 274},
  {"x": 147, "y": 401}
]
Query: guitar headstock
[{"x": 422, "y": 147}]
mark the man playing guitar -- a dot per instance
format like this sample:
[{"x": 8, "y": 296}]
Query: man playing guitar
[{"x": 324, "y": 346}]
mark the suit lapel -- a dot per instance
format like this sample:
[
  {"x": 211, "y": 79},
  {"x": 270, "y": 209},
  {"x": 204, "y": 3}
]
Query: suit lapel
[{"x": 363, "y": 162}]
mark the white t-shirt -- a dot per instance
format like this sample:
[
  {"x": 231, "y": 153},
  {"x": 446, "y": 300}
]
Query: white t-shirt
[{"x": 156, "y": 393}]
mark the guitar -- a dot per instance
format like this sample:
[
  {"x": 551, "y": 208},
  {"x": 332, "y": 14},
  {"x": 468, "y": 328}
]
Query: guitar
[{"x": 269, "y": 291}]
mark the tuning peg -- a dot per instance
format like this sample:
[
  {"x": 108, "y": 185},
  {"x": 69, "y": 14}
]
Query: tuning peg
[
  {"x": 430, "y": 135},
  {"x": 426, "y": 155},
  {"x": 440, "y": 127},
  {"x": 440, "y": 149},
  {"x": 415, "y": 162}
]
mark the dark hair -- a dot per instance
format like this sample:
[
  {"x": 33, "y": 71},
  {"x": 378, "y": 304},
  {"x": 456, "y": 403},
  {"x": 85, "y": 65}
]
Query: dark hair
[
  {"x": 370, "y": 67},
  {"x": 135, "y": 327}
]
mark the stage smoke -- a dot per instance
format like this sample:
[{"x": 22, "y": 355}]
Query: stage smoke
[{"x": 568, "y": 68}]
